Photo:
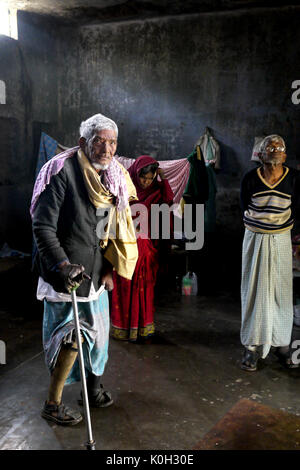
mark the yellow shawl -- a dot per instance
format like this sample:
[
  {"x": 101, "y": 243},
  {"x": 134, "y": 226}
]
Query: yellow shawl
[{"x": 119, "y": 235}]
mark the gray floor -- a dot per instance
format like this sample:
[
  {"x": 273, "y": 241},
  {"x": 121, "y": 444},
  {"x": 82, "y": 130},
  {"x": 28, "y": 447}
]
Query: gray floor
[{"x": 167, "y": 395}]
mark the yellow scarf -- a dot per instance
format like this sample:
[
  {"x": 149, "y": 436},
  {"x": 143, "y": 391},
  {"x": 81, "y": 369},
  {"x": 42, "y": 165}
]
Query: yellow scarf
[{"x": 119, "y": 236}]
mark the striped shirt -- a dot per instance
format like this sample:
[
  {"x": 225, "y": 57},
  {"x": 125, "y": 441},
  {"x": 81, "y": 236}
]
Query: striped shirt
[{"x": 270, "y": 208}]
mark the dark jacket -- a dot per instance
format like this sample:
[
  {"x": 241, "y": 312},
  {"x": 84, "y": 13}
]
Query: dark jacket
[{"x": 64, "y": 227}]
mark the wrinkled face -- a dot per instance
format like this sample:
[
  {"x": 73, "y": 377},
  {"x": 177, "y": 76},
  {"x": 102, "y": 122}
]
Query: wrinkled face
[
  {"x": 102, "y": 148},
  {"x": 147, "y": 179},
  {"x": 274, "y": 153}
]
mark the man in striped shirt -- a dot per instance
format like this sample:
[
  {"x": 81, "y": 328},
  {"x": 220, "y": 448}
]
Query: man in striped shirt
[{"x": 269, "y": 199}]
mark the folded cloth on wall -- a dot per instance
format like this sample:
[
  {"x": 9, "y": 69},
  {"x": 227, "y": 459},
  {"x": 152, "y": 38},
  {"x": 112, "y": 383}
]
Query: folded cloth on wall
[
  {"x": 47, "y": 150},
  {"x": 210, "y": 149},
  {"x": 255, "y": 150}
]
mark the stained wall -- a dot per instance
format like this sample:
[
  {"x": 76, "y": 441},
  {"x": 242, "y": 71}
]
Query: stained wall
[{"x": 162, "y": 80}]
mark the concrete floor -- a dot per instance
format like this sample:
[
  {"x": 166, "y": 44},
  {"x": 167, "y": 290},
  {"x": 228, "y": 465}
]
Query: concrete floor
[{"x": 167, "y": 395}]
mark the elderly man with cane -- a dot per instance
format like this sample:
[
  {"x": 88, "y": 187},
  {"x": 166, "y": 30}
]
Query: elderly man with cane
[
  {"x": 69, "y": 191},
  {"x": 269, "y": 199}
]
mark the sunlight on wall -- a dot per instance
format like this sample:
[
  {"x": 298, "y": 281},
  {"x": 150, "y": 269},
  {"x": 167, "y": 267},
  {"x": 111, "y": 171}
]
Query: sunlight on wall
[{"x": 8, "y": 22}]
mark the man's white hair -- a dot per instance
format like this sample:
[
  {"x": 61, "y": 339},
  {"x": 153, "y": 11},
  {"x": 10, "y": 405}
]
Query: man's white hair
[
  {"x": 267, "y": 140},
  {"x": 96, "y": 123}
]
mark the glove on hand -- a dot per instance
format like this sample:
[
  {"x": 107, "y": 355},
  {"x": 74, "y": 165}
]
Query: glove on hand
[{"x": 72, "y": 275}]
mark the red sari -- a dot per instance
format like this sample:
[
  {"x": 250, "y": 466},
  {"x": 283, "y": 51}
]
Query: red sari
[{"x": 132, "y": 313}]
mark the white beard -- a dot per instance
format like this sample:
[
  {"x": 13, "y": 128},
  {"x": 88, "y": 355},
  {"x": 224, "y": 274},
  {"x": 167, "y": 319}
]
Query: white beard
[
  {"x": 89, "y": 152},
  {"x": 98, "y": 166},
  {"x": 273, "y": 161}
]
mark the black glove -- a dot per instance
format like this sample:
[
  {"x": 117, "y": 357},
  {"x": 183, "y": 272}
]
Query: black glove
[{"x": 72, "y": 275}]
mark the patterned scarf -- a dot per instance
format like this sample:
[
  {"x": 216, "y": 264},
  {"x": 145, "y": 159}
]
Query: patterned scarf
[
  {"x": 118, "y": 237},
  {"x": 52, "y": 167}
]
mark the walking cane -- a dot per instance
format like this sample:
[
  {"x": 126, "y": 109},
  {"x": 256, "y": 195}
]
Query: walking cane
[{"x": 90, "y": 444}]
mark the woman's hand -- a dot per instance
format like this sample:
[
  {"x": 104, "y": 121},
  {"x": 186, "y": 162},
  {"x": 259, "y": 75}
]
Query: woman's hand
[
  {"x": 161, "y": 173},
  {"x": 107, "y": 280},
  {"x": 107, "y": 275}
]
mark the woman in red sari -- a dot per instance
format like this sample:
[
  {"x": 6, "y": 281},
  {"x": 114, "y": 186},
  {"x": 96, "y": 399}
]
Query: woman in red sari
[{"x": 132, "y": 314}]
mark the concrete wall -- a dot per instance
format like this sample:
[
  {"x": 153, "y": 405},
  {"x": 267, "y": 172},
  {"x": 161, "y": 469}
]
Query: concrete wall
[
  {"x": 28, "y": 68},
  {"x": 164, "y": 80},
  {"x": 14, "y": 137}
]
